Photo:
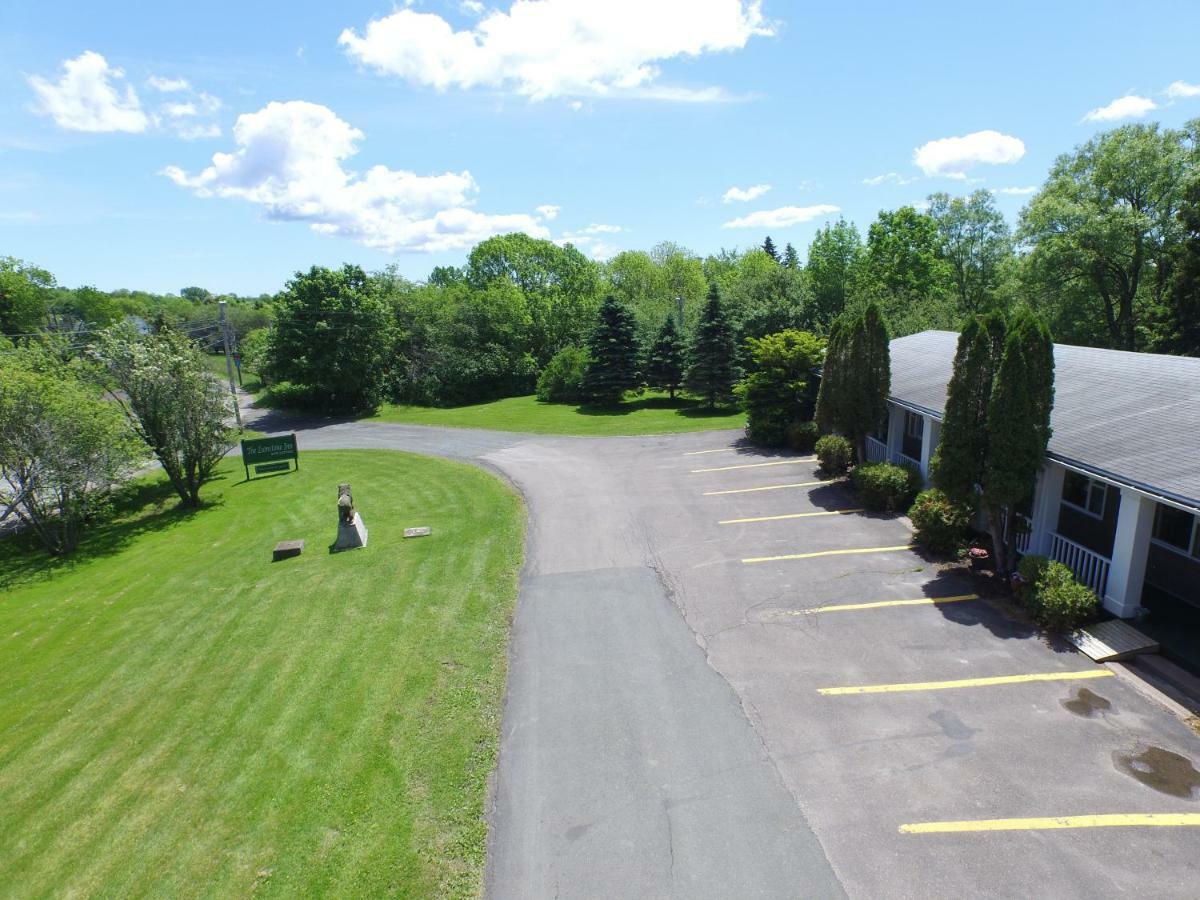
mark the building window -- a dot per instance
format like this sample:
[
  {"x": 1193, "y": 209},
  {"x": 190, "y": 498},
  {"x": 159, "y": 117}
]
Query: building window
[
  {"x": 1086, "y": 494},
  {"x": 1177, "y": 529},
  {"x": 914, "y": 425}
]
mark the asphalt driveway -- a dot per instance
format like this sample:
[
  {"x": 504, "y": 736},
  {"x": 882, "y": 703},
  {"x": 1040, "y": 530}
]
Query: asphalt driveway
[{"x": 681, "y": 722}]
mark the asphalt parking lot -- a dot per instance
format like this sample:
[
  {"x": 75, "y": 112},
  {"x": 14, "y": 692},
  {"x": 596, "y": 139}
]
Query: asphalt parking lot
[
  {"x": 682, "y": 722},
  {"x": 913, "y": 733}
]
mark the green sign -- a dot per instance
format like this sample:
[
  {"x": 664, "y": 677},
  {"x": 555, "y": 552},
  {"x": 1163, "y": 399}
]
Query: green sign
[{"x": 270, "y": 454}]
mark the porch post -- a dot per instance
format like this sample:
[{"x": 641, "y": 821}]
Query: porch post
[
  {"x": 1135, "y": 520},
  {"x": 929, "y": 435},
  {"x": 1046, "y": 499},
  {"x": 895, "y": 429}
]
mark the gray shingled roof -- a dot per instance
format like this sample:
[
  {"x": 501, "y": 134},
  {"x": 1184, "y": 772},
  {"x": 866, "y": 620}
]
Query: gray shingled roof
[{"x": 1131, "y": 417}]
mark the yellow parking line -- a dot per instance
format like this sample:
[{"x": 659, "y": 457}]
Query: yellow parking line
[
  {"x": 702, "y": 452},
  {"x": 760, "y": 559},
  {"x": 847, "y": 607},
  {"x": 766, "y": 487},
  {"x": 827, "y": 512},
  {"x": 778, "y": 462},
  {"x": 965, "y": 682},
  {"x": 1106, "y": 820}
]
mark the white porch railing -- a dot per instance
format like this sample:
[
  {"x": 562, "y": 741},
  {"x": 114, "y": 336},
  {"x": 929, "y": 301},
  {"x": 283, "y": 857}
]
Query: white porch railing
[
  {"x": 1089, "y": 567},
  {"x": 876, "y": 450},
  {"x": 900, "y": 459},
  {"x": 1023, "y": 534}
]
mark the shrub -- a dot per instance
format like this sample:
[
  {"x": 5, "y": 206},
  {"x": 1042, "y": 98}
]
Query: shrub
[
  {"x": 802, "y": 436},
  {"x": 778, "y": 392},
  {"x": 1052, "y": 595},
  {"x": 939, "y": 524},
  {"x": 885, "y": 487},
  {"x": 561, "y": 380},
  {"x": 834, "y": 452}
]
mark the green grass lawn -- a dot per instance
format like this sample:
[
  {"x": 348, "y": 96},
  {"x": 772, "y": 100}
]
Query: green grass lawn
[
  {"x": 648, "y": 414},
  {"x": 179, "y": 716}
]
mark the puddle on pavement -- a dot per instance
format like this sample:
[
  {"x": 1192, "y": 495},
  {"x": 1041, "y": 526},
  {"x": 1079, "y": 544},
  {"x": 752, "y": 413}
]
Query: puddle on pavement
[
  {"x": 1161, "y": 770},
  {"x": 1086, "y": 704}
]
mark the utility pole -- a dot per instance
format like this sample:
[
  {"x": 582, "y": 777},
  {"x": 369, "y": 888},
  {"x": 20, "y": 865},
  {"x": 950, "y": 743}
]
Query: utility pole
[{"x": 237, "y": 410}]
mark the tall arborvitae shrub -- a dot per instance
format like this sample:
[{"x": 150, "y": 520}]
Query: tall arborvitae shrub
[
  {"x": 856, "y": 377},
  {"x": 713, "y": 370},
  {"x": 613, "y": 355},
  {"x": 666, "y": 360},
  {"x": 997, "y": 420}
]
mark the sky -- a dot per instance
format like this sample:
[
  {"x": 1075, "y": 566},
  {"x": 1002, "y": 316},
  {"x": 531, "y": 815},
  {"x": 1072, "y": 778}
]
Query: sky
[{"x": 156, "y": 145}]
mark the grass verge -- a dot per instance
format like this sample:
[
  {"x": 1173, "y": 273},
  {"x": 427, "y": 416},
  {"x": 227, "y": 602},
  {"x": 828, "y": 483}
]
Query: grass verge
[
  {"x": 181, "y": 716},
  {"x": 649, "y": 414}
]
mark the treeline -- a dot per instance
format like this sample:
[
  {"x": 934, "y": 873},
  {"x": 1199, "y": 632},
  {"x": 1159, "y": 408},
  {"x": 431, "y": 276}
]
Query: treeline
[{"x": 1107, "y": 252}]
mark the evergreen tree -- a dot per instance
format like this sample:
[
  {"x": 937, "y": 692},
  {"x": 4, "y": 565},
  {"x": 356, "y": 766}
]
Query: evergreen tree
[
  {"x": 665, "y": 364},
  {"x": 856, "y": 377},
  {"x": 769, "y": 249},
  {"x": 962, "y": 452},
  {"x": 613, "y": 355},
  {"x": 712, "y": 372},
  {"x": 791, "y": 260},
  {"x": 997, "y": 419},
  {"x": 1018, "y": 426}
]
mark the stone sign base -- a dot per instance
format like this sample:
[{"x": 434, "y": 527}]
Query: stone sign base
[
  {"x": 286, "y": 550},
  {"x": 352, "y": 535}
]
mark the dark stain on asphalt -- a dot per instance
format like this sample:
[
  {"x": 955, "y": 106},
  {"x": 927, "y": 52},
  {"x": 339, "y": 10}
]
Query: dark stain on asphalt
[
  {"x": 1162, "y": 770},
  {"x": 1086, "y": 704},
  {"x": 952, "y": 726}
]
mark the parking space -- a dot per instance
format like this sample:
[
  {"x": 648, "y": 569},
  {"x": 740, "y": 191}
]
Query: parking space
[{"x": 936, "y": 742}]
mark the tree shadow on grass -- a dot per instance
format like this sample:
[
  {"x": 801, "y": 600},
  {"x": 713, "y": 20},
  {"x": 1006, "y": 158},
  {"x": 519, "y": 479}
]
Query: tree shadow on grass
[
  {"x": 683, "y": 406},
  {"x": 142, "y": 507}
]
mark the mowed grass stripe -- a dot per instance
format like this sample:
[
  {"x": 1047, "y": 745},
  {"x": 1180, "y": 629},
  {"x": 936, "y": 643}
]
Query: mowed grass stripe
[
  {"x": 330, "y": 722},
  {"x": 1103, "y": 820},
  {"x": 964, "y": 683},
  {"x": 765, "y": 487},
  {"x": 761, "y": 465},
  {"x": 806, "y": 515},
  {"x": 882, "y": 604},
  {"x": 818, "y": 553}
]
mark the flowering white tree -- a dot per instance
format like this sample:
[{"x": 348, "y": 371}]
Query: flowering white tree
[{"x": 173, "y": 403}]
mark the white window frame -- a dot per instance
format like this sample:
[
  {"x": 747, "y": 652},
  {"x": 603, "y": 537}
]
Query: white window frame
[
  {"x": 1093, "y": 484},
  {"x": 909, "y": 418},
  {"x": 1193, "y": 549}
]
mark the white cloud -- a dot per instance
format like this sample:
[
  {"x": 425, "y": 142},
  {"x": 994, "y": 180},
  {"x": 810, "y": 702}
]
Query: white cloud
[
  {"x": 784, "y": 217},
  {"x": 590, "y": 240},
  {"x": 744, "y": 195},
  {"x": 289, "y": 160},
  {"x": 887, "y": 178},
  {"x": 1032, "y": 189},
  {"x": 552, "y": 48},
  {"x": 1181, "y": 90},
  {"x": 168, "y": 85},
  {"x": 548, "y": 211},
  {"x": 952, "y": 157},
  {"x": 600, "y": 229},
  {"x": 472, "y": 7},
  {"x": 90, "y": 96},
  {"x": 1131, "y": 106}
]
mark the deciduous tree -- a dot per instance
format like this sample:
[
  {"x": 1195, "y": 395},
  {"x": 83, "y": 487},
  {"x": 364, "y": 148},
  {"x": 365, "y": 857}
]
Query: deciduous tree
[
  {"x": 173, "y": 403},
  {"x": 62, "y": 449}
]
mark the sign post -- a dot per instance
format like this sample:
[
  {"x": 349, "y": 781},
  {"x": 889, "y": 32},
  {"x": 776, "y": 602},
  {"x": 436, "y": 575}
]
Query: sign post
[{"x": 270, "y": 454}]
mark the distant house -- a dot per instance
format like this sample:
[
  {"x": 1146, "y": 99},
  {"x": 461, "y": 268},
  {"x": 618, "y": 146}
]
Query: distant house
[{"x": 1118, "y": 499}]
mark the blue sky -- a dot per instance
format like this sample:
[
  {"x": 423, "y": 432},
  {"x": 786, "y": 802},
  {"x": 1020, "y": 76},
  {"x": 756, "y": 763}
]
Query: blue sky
[{"x": 444, "y": 121}]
